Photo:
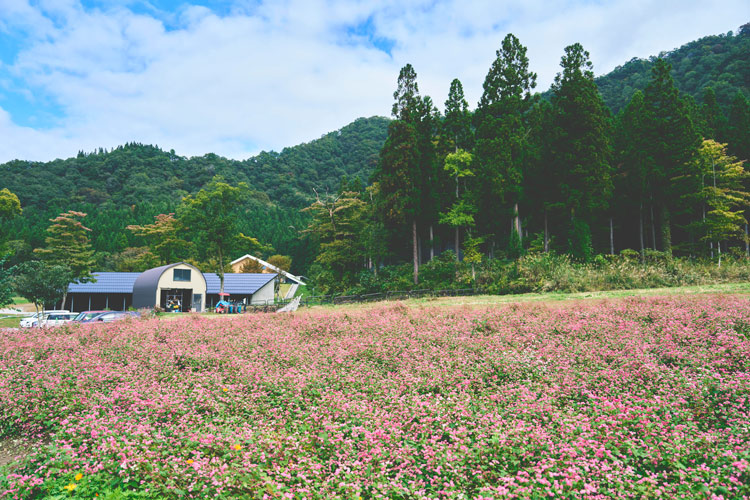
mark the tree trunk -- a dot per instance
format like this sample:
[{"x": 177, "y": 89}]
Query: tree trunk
[
  {"x": 666, "y": 230},
  {"x": 640, "y": 230},
  {"x": 517, "y": 223},
  {"x": 546, "y": 232},
  {"x": 611, "y": 237},
  {"x": 718, "y": 247},
  {"x": 457, "y": 243},
  {"x": 415, "y": 250},
  {"x": 653, "y": 226},
  {"x": 221, "y": 275},
  {"x": 747, "y": 243},
  {"x": 64, "y": 298},
  {"x": 432, "y": 243}
]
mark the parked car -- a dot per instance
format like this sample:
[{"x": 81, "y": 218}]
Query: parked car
[
  {"x": 58, "y": 319},
  {"x": 110, "y": 316},
  {"x": 33, "y": 320},
  {"x": 86, "y": 316}
]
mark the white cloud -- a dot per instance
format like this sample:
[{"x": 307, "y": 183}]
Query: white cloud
[{"x": 282, "y": 72}]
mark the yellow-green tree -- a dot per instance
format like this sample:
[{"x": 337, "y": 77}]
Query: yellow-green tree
[
  {"x": 163, "y": 238},
  {"x": 10, "y": 206},
  {"x": 722, "y": 193}
]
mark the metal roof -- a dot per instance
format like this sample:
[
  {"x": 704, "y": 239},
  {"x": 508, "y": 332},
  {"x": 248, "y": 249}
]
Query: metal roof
[
  {"x": 238, "y": 283},
  {"x": 106, "y": 283},
  {"x": 234, "y": 283}
]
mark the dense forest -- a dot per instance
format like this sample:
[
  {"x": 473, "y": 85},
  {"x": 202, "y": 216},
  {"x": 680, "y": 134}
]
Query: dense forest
[
  {"x": 132, "y": 183},
  {"x": 647, "y": 158}
]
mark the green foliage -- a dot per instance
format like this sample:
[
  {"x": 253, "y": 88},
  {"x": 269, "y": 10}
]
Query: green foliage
[
  {"x": 581, "y": 130},
  {"x": 337, "y": 226},
  {"x": 502, "y": 145},
  {"x": 163, "y": 238},
  {"x": 210, "y": 218},
  {"x": 68, "y": 245},
  {"x": 10, "y": 206},
  {"x": 41, "y": 283},
  {"x": 283, "y": 262},
  {"x": 738, "y": 128},
  {"x": 717, "y": 61},
  {"x": 6, "y": 283}
]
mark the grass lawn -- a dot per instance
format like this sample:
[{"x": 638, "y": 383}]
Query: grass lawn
[
  {"x": 11, "y": 322},
  {"x": 488, "y": 300}
]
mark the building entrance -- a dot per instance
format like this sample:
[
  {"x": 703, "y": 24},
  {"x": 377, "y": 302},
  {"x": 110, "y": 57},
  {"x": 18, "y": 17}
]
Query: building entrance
[{"x": 176, "y": 299}]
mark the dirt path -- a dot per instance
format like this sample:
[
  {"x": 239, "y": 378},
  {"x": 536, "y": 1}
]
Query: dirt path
[{"x": 12, "y": 450}]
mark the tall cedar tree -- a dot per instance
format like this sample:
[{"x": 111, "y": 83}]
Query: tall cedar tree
[
  {"x": 581, "y": 128},
  {"x": 629, "y": 157},
  {"x": 457, "y": 123},
  {"x": 432, "y": 177},
  {"x": 542, "y": 183},
  {"x": 68, "y": 246},
  {"x": 713, "y": 121},
  {"x": 502, "y": 146},
  {"x": 670, "y": 143},
  {"x": 738, "y": 134},
  {"x": 399, "y": 170},
  {"x": 400, "y": 182}
]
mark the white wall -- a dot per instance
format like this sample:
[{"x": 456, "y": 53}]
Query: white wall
[
  {"x": 197, "y": 282},
  {"x": 264, "y": 295}
]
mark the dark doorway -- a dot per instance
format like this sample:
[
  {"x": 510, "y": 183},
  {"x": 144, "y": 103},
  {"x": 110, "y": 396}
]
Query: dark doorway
[{"x": 176, "y": 299}]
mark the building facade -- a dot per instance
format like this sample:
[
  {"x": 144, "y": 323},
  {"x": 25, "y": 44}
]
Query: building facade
[{"x": 177, "y": 287}]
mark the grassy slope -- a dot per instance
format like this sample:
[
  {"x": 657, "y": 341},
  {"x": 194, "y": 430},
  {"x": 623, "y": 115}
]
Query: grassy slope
[{"x": 485, "y": 300}]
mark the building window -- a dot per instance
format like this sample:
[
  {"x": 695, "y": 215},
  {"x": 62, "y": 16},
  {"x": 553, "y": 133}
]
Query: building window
[{"x": 182, "y": 274}]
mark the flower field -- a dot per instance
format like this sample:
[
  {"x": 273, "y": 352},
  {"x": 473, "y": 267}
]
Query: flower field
[{"x": 622, "y": 399}]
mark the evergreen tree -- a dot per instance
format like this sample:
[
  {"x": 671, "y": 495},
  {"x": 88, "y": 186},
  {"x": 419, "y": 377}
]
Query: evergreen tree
[
  {"x": 502, "y": 146},
  {"x": 631, "y": 179},
  {"x": 713, "y": 120},
  {"x": 581, "y": 130},
  {"x": 738, "y": 133},
  {"x": 457, "y": 123},
  {"x": 400, "y": 184},
  {"x": 543, "y": 182},
  {"x": 670, "y": 144},
  {"x": 68, "y": 246}
]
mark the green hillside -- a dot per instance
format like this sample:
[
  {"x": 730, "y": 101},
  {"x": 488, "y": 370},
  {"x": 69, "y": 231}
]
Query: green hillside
[
  {"x": 718, "y": 61},
  {"x": 132, "y": 183}
]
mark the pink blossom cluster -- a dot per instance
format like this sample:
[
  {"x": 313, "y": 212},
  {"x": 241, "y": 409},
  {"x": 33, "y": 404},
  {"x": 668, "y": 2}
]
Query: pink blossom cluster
[{"x": 627, "y": 399}]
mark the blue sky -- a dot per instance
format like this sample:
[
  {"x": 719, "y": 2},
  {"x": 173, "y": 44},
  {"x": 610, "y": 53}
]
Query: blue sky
[{"x": 238, "y": 76}]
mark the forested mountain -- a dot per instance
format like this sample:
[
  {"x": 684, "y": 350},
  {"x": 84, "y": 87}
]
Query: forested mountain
[
  {"x": 718, "y": 61},
  {"x": 132, "y": 183}
]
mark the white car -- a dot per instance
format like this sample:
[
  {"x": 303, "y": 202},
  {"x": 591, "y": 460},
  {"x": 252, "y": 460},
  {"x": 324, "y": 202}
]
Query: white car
[
  {"x": 33, "y": 320},
  {"x": 58, "y": 319}
]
